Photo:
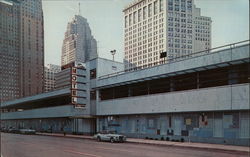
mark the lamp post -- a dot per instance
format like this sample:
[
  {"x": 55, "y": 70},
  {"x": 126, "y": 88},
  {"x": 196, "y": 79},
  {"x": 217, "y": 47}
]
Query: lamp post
[{"x": 113, "y": 54}]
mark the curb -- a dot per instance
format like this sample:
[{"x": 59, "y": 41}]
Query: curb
[
  {"x": 160, "y": 144},
  {"x": 67, "y": 136},
  {"x": 193, "y": 147}
]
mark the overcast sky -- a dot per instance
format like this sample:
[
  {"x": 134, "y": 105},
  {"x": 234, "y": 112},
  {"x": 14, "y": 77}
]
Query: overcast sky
[{"x": 230, "y": 23}]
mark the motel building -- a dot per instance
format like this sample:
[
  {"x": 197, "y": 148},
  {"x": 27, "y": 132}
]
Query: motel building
[{"x": 203, "y": 98}]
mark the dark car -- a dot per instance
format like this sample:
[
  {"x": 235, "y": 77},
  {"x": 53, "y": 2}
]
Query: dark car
[
  {"x": 3, "y": 129},
  {"x": 13, "y": 130}
]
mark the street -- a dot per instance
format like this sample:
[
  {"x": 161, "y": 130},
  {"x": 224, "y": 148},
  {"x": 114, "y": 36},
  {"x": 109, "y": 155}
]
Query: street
[{"x": 16, "y": 145}]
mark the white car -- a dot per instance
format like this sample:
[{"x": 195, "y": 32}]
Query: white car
[
  {"x": 109, "y": 136},
  {"x": 27, "y": 131}
]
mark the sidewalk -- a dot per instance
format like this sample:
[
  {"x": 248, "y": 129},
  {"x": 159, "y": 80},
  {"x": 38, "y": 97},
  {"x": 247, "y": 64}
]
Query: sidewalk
[{"x": 243, "y": 149}]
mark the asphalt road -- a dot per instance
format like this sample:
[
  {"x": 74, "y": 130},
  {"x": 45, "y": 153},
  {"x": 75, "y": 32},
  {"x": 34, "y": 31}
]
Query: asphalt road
[{"x": 15, "y": 145}]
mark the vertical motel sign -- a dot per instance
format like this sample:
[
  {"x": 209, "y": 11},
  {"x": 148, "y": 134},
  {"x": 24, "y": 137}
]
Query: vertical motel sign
[{"x": 77, "y": 88}]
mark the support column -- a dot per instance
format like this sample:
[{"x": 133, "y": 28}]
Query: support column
[
  {"x": 198, "y": 80},
  {"x": 97, "y": 125}
]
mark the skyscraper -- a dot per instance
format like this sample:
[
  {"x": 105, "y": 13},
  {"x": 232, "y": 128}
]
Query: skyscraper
[
  {"x": 78, "y": 44},
  {"x": 9, "y": 50},
  {"x": 22, "y": 48},
  {"x": 32, "y": 48},
  {"x": 155, "y": 26}
]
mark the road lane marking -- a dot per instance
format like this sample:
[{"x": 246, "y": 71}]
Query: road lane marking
[
  {"x": 121, "y": 150},
  {"x": 82, "y": 153}
]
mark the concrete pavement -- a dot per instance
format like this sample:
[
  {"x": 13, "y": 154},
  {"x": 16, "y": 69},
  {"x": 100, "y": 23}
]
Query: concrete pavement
[{"x": 166, "y": 143}]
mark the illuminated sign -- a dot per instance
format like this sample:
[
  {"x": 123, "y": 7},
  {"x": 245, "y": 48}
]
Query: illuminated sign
[{"x": 78, "y": 87}]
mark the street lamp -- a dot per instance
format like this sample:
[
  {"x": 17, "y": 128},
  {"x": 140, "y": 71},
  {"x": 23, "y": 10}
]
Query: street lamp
[{"x": 113, "y": 54}]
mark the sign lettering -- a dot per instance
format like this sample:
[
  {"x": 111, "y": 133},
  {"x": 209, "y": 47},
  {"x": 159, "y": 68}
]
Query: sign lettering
[{"x": 77, "y": 99}]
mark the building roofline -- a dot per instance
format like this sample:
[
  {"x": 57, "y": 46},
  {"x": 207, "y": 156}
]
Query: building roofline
[
  {"x": 36, "y": 97},
  {"x": 132, "y": 4},
  {"x": 106, "y": 59},
  {"x": 230, "y": 47}
]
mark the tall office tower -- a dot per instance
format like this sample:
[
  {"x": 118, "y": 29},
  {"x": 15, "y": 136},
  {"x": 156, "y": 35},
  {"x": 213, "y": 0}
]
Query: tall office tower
[
  {"x": 155, "y": 26},
  {"x": 32, "y": 48},
  {"x": 21, "y": 48},
  {"x": 79, "y": 44},
  {"x": 9, "y": 50},
  {"x": 49, "y": 76}
]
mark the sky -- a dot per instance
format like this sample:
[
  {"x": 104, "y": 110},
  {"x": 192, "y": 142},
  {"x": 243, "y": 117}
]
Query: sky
[{"x": 230, "y": 23}]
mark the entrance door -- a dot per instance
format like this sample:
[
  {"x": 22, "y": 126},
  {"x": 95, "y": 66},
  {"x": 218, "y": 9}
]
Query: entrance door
[
  {"x": 177, "y": 126},
  {"x": 163, "y": 126},
  {"x": 133, "y": 126},
  {"x": 218, "y": 130},
  {"x": 244, "y": 127}
]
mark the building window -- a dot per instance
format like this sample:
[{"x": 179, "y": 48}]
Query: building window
[
  {"x": 177, "y": 7},
  {"x": 155, "y": 7},
  {"x": 149, "y": 10},
  {"x": 126, "y": 21},
  {"x": 170, "y": 8},
  {"x": 139, "y": 15},
  {"x": 134, "y": 17},
  {"x": 161, "y": 5},
  {"x": 144, "y": 13},
  {"x": 130, "y": 19},
  {"x": 93, "y": 95},
  {"x": 151, "y": 124},
  {"x": 93, "y": 74}
]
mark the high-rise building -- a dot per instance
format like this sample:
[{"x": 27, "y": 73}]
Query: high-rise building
[
  {"x": 156, "y": 26},
  {"x": 9, "y": 50},
  {"x": 32, "y": 48},
  {"x": 49, "y": 76},
  {"x": 22, "y": 48},
  {"x": 79, "y": 44}
]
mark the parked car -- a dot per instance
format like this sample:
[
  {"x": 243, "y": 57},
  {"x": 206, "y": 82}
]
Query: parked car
[
  {"x": 109, "y": 136},
  {"x": 13, "y": 130},
  {"x": 3, "y": 129},
  {"x": 27, "y": 131}
]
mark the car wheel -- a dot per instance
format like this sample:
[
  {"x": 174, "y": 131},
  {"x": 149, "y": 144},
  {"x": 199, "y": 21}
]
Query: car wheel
[
  {"x": 112, "y": 140},
  {"x": 99, "y": 139}
]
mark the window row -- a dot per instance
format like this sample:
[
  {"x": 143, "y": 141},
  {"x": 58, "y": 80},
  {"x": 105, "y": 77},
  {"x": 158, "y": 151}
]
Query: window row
[
  {"x": 236, "y": 74},
  {"x": 144, "y": 13}
]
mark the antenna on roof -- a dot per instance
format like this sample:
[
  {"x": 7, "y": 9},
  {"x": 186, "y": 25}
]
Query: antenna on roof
[{"x": 79, "y": 8}]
